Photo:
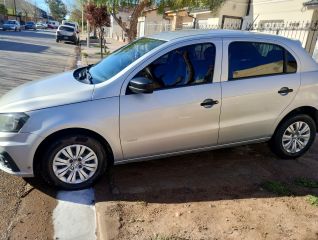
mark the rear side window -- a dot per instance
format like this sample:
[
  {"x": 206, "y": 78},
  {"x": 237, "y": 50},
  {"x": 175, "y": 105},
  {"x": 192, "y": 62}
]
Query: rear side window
[{"x": 253, "y": 59}]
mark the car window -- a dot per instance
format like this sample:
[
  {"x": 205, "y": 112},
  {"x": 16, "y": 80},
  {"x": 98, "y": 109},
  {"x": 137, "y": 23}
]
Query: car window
[
  {"x": 68, "y": 29},
  {"x": 122, "y": 58},
  {"x": 252, "y": 59},
  {"x": 189, "y": 65}
]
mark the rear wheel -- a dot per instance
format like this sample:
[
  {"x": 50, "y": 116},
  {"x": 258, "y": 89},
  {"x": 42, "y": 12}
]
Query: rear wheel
[
  {"x": 294, "y": 137},
  {"x": 74, "y": 162}
]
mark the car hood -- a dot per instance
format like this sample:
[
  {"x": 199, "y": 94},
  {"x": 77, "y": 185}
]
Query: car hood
[{"x": 53, "y": 91}]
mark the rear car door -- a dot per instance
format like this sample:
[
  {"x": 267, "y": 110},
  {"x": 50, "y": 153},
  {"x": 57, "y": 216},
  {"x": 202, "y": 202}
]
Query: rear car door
[
  {"x": 180, "y": 114},
  {"x": 260, "y": 79}
]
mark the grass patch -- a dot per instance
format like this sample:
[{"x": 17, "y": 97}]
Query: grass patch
[
  {"x": 313, "y": 200},
  {"x": 277, "y": 188},
  {"x": 306, "y": 182}
]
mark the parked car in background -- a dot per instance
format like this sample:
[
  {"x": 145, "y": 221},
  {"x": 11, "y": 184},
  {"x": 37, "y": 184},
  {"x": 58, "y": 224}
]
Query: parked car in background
[
  {"x": 166, "y": 94},
  {"x": 41, "y": 25},
  {"x": 72, "y": 24},
  {"x": 53, "y": 24},
  {"x": 67, "y": 34},
  {"x": 30, "y": 26},
  {"x": 11, "y": 25}
]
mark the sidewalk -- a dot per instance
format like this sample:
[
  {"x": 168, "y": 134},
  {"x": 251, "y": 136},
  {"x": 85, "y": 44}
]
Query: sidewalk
[{"x": 92, "y": 55}]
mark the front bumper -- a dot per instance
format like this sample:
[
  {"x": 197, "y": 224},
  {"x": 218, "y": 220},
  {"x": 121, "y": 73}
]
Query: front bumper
[{"x": 17, "y": 152}]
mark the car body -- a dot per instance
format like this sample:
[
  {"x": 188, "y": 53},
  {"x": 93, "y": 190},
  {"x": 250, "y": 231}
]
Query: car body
[
  {"x": 11, "y": 25},
  {"x": 40, "y": 25},
  {"x": 53, "y": 24},
  {"x": 67, "y": 33},
  {"x": 168, "y": 94},
  {"x": 30, "y": 26}
]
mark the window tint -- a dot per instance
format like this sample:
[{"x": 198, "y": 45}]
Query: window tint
[
  {"x": 190, "y": 65},
  {"x": 248, "y": 59}
]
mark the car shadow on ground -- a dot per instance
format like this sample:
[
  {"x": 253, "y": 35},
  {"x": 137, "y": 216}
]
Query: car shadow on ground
[
  {"x": 233, "y": 173},
  {"x": 21, "y": 47},
  {"x": 29, "y": 33}
]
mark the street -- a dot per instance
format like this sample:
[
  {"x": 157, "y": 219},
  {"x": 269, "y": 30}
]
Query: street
[{"x": 27, "y": 56}]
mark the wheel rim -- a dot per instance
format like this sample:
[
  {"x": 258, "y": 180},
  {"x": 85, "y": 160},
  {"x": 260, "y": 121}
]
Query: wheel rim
[
  {"x": 296, "y": 137},
  {"x": 75, "y": 164}
]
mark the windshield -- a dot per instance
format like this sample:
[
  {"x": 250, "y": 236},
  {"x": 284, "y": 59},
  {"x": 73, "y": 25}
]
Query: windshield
[
  {"x": 120, "y": 59},
  {"x": 30, "y": 23},
  {"x": 10, "y": 22}
]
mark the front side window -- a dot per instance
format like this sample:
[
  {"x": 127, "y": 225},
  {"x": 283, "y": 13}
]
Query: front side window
[
  {"x": 252, "y": 59},
  {"x": 122, "y": 58},
  {"x": 189, "y": 65}
]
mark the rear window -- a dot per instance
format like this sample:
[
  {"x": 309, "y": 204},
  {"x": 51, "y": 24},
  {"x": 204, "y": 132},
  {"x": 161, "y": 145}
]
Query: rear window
[
  {"x": 68, "y": 29},
  {"x": 70, "y": 24}
]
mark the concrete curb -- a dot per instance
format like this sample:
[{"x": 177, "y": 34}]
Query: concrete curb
[{"x": 107, "y": 220}]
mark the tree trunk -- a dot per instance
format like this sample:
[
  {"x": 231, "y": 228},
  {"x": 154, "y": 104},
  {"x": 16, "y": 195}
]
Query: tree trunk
[
  {"x": 101, "y": 43},
  {"x": 132, "y": 30}
]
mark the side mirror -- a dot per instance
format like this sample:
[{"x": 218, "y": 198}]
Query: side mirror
[{"x": 141, "y": 85}]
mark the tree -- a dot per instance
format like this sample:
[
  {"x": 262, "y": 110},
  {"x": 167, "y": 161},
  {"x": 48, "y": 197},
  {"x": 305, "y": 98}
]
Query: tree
[
  {"x": 76, "y": 15},
  {"x": 98, "y": 18},
  {"x": 139, "y": 6},
  {"x": 3, "y": 9},
  {"x": 58, "y": 9}
]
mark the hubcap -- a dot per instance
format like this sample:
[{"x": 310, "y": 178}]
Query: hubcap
[
  {"x": 75, "y": 164},
  {"x": 296, "y": 137}
]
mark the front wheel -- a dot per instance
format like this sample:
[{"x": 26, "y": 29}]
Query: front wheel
[
  {"x": 294, "y": 137},
  {"x": 74, "y": 162}
]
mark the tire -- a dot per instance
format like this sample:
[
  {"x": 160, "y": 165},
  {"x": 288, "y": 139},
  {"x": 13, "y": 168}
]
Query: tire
[
  {"x": 57, "y": 40},
  {"x": 285, "y": 148},
  {"x": 54, "y": 160}
]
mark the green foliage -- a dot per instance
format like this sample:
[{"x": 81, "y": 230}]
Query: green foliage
[
  {"x": 3, "y": 9},
  {"x": 313, "y": 200},
  {"x": 277, "y": 188},
  {"x": 76, "y": 15},
  {"x": 213, "y": 5},
  {"x": 57, "y": 8},
  {"x": 306, "y": 182}
]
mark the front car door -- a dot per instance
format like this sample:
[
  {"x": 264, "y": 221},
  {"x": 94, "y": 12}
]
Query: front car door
[
  {"x": 260, "y": 79},
  {"x": 177, "y": 115}
]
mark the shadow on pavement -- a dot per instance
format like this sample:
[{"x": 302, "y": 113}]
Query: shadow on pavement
[
  {"x": 233, "y": 173},
  {"x": 21, "y": 47},
  {"x": 29, "y": 33}
]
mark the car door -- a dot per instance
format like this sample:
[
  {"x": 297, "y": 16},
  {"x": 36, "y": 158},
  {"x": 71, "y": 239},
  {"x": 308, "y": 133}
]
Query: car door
[
  {"x": 183, "y": 111},
  {"x": 260, "y": 79}
]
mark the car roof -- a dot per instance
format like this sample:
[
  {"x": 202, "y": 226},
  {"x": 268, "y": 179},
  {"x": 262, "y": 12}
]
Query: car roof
[
  {"x": 195, "y": 33},
  {"x": 67, "y": 26}
]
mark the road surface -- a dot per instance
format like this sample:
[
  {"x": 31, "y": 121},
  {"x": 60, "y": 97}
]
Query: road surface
[{"x": 26, "y": 56}]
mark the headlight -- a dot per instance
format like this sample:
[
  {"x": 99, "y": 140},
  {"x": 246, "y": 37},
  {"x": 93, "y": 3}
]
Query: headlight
[{"x": 12, "y": 122}]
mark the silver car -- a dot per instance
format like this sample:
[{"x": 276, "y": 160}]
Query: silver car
[
  {"x": 11, "y": 25},
  {"x": 168, "y": 94}
]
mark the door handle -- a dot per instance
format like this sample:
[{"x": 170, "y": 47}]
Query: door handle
[
  {"x": 285, "y": 90},
  {"x": 208, "y": 103}
]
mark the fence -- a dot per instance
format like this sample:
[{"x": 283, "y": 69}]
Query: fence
[{"x": 305, "y": 32}]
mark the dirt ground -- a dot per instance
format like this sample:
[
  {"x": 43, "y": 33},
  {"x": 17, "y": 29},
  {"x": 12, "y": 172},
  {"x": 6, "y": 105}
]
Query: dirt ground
[{"x": 219, "y": 194}]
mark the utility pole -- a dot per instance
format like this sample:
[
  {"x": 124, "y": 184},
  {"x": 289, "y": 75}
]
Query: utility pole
[
  {"x": 88, "y": 31},
  {"x": 82, "y": 16},
  {"x": 15, "y": 10}
]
